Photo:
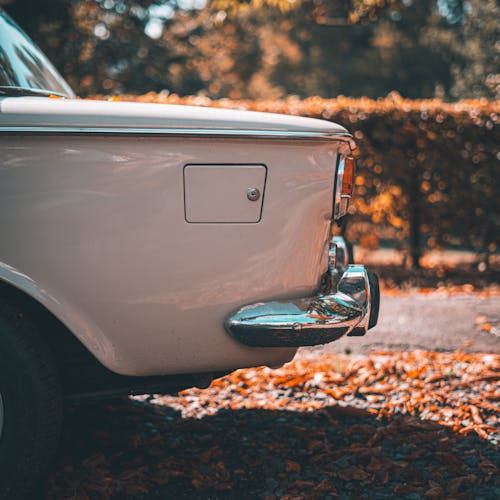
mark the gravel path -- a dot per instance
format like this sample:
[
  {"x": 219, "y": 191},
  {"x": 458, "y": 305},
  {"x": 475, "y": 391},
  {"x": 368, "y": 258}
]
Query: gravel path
[{"x": 430, "y": 321}]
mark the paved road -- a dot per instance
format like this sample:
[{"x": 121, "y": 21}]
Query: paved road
[{"x": 431, "y": 321}]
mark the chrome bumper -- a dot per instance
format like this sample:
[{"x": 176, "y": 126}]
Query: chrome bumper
[{"x": 347, "y": 304}]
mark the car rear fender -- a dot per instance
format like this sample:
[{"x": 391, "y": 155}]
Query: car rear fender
[{"x": 83, "y": 328}]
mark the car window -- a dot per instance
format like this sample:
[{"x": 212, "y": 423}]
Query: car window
[{"x": 23, "y": 65}]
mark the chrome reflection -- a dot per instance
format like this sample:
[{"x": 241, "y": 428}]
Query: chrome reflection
[
  {"x": 340, "y": 255},
  {"x": 343, "y": 308},
  {"x": 341, "y": 137}
]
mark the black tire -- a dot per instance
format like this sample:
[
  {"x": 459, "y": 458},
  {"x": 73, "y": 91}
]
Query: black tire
[
  {"x": 375, "y": 296},
  {"x": 32, "y": 405}
]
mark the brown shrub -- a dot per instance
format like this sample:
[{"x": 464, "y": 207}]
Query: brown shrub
[{"x": 427, "y": 170}]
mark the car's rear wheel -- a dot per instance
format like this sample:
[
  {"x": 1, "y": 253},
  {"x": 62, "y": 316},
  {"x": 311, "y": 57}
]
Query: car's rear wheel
[{"x": 30, "y": 405}]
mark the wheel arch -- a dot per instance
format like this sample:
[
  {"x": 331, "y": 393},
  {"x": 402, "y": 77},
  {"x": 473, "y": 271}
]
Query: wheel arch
[
  {"x": 59, "y": 321},
  {"x": 83, "y": 375}
]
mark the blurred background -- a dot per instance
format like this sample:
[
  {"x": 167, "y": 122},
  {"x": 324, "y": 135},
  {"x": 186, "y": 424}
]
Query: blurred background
[
  {"x": 271, "y": 48},
  {"x": 417, "y": 83},
  {"x": 411, "y": 409}
]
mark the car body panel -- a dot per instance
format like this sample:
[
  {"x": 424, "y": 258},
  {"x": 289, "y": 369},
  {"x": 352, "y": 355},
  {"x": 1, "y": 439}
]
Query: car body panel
[
  {"x": 145, "y": 227},
  {"x": 73, "y": 113},
  {"x": 223, "y": 193},
  {"x": 95, "y": 226}
]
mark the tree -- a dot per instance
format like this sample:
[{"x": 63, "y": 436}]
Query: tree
[
  {"x": 103, "y": 46},
  {"x": 330, "y": 12},
  {"x": 472, "y": 49},
  {"x": 270, "y": 48}
]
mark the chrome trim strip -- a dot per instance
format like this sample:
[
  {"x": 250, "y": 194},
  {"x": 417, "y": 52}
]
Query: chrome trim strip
[
  {"x": 340, "y": 205},
  {"x": 215, "y": 132}
]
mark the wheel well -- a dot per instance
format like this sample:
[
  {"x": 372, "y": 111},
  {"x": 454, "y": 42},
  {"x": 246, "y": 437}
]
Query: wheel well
[
  {"x": 82, "y": 375},
  {"x": 66, "y": 348}
]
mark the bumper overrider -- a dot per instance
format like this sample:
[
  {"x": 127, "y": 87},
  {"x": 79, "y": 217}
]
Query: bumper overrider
[{"x": 347, "y": 304}]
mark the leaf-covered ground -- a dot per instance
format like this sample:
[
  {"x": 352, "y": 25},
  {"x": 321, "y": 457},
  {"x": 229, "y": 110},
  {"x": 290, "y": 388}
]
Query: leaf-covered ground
[
  {"x": 407, "y": 425},
  {"x": 450, "y": 279}
]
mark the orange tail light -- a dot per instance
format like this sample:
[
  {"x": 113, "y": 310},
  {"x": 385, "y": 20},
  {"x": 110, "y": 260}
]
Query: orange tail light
[{"x": 348, "y": 177}]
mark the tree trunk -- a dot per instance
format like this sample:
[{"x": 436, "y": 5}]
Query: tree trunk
[{"x": 415, "y": 219}]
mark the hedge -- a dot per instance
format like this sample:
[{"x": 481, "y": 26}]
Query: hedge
[{"x": 427, "y": 170}]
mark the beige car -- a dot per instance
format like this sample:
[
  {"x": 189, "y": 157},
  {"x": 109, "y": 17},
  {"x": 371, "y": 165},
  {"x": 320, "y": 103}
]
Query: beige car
[{"x": 154, "y": 247}]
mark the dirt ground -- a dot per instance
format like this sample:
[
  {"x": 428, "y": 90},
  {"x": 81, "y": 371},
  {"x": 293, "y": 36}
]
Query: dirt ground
[
  {"x": 411, "y": 410},
  {"x": 408, "y": 425},
  {"x": 433, "y": 321}
]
